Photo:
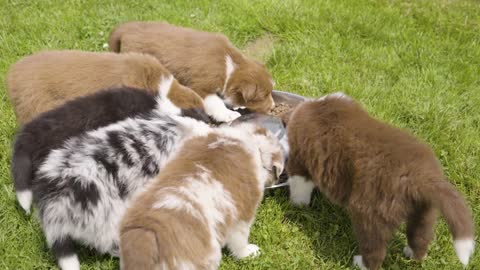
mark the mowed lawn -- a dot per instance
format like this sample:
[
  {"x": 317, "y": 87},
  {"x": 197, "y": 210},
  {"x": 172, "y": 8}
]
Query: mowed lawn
[{"x": 414, "y": 64}]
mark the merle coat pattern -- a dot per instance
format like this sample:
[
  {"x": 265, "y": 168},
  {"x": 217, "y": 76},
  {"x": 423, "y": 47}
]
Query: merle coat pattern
[
  {"x": 50, "y": 129},
  {"x": 83, "y": 187}
]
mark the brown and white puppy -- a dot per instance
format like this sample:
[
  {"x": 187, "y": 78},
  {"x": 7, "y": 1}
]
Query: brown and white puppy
[
  {"x": 206, "y": 62},
  {"x": 48, "y": 79},
  {"x": 383, "y": 176},
  {"x": 204, "y": 198}
]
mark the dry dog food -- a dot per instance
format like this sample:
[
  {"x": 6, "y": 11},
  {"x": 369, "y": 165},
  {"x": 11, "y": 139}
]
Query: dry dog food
[{"x": 279, "y": 109}]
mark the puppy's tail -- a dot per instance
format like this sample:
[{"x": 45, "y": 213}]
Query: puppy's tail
[
  {"x": 115, "y": 39},
  {"x": 22, "y": 175},
  {"x": 457, "y": 214},
  {"x": 138, "y": 249}
]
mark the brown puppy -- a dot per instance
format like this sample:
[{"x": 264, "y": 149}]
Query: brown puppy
[
  {"x": 48, "y": 79},
  {"x": 206, "y": 62},
  {"x": 382, "y": 175},
  {"x": 204, "y": 198}
]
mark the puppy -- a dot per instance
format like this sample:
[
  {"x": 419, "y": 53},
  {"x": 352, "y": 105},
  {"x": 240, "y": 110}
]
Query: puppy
[
  {"x": 83, "y": 187},
  {"x": 45, "y": 80},
  {"x": 206, "y": 62},
  {"x": 50, "y": 129},
  {"x": 382, "y": 175},
  {"x": 204, "y": 198}
]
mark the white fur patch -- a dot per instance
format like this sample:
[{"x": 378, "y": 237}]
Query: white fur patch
[
  {"x": 358, "y": 262},
  {"x": 251, "y": 250},
  {"x": 408, "y": 252},
  {"x": 25, "y": 199},
  {"x": 222, "y": 141},
  {"x": 237, "y": 241},
  {"x": 69, "y": 263},
  {"x": 215, "y": 107},
  {"x": 174, "y": 202},
  {"x": 300, "y": 190},
  {"x": 464, "y": 249},
  {"x": 339, "y": 95},
  {"x": 229, "y": 68},
  {"x": 191, "y": 126},
  {"x": 164, "y": 103},
  {"x": 209, "y": 201}
]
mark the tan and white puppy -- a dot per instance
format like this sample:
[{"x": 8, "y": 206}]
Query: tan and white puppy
[
  {"x": 205, "y": 198},
  {"x": 46, "y": 80},
  {"x": 206, "y": 62}
]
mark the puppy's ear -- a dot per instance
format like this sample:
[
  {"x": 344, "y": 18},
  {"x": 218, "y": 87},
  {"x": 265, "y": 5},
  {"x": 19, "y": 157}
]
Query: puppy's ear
[
  {"x": 249, "y": 92},
  {"x": 277, "y": 168}
]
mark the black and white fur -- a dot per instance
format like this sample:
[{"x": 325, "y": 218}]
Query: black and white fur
[
  {"x": 50, "y": 129},
  {"x": 83, "y": 187}
]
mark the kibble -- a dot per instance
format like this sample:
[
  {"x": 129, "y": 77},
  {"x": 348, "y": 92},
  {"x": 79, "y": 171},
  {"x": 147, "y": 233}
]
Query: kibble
[{"x": 279, "y": 109}]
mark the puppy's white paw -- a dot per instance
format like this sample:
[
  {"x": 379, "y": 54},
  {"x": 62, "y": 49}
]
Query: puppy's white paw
[
  {"x": 227, "y": 116},
  {"x": 408, "y": 252},
  {"x": 358, "y": 262},
  {"x": 215, "y": 107},
  {"x": 251, "y": 250},
  {"x": 69, "y": 263},
  {"x": 300, "y": 190},
  {"x": 300, "y": 201},
  {"x": 25, "y": 199}
]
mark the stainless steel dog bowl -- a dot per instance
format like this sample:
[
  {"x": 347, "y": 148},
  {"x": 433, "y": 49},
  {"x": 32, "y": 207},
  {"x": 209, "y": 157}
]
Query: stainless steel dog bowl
[{"x": 288, "y": 98}]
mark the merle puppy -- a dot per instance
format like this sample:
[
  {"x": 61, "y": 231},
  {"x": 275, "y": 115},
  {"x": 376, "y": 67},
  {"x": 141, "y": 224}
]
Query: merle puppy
[{"x": 50, "y": 129}]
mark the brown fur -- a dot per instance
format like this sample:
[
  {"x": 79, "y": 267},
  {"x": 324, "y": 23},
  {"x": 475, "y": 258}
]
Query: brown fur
[
  {"x": 382, "y": 175},
  {"x": 48, "y": 79},
  {"x": 152, "y": 238},
  {"x": 197, "y": 60}
]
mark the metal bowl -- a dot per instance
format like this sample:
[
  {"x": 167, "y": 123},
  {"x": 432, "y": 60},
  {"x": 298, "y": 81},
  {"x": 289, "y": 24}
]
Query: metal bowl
[{"x": 288, "y": 98}]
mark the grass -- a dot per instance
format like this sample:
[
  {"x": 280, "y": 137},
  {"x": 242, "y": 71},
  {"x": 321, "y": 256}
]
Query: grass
[{"x": 415, "y": 64}]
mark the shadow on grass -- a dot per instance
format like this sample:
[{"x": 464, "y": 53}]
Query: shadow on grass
[{"x": 329, "y": 228}]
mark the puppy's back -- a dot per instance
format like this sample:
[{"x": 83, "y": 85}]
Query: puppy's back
[
  {"x": 154, "y": 244},
  {"x": 47, "y": 79},
  {"x": 50, "y": 129}
]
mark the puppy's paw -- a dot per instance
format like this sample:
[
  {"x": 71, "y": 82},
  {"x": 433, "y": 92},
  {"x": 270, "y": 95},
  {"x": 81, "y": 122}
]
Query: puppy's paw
[
  {"x": 358, "y": 262},
  {"x": 226, "y": 116},
  {"x": 300, "y": 201},
  {"x": 69, "y": 262},
  {"x": 251, "y": 250},
  {"x": 300, "y": 190},
  {"x": 408, "y": 252}
]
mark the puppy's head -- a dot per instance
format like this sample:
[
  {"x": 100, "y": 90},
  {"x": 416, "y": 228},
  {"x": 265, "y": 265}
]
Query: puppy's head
[
  {"x": 272, "y": 156},
  {"x": 250, "y": 85}
]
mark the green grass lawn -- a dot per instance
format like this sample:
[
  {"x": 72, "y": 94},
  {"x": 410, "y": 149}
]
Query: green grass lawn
[{"x": 415, "y": 64}]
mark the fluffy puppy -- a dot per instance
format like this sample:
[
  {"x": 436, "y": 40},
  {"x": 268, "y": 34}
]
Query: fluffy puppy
[
  {"x": 47, "y": 79},
  {"x": 83, "y": 187},
  {"x": 206, "y": 62},
  {"x": 381, "y": 174},
  {"x": 203, "y": 199},
  {"x": 50, "y": 129}
]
